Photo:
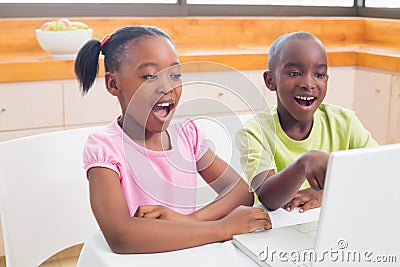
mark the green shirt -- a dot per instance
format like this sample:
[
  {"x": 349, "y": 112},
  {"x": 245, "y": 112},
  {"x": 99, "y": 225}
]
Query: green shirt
[{"x": 264, "y": 145}]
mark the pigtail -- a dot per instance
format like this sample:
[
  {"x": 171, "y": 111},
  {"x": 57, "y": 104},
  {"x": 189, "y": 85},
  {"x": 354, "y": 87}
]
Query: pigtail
[
  {"x": 87, "y": 64},
  {"x": 113, "y": 47}
]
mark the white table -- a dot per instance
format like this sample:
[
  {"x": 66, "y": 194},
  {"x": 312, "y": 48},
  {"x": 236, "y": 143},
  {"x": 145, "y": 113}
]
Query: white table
[{"x": 96, "y": 251}]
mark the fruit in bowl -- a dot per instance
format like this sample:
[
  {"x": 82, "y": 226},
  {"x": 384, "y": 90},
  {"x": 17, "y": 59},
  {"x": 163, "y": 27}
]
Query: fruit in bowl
[
  {"x": 63, "y": 24},
  {"x": 63, "y": 38}
]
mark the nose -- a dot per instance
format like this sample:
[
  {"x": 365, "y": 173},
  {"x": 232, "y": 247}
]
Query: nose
[
  {"x": 164, "y": 88},
  {"x": 165, "y": 85},
  {"x": 165, "y": 91},
  {"x": 308, "y": 81}
]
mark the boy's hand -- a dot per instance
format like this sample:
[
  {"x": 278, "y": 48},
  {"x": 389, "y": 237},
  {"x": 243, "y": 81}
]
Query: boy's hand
[
  {"x": 161, "y": 212},
  {"x": 244, "y": 219},
  {"x": 315, "y": 163},
  {"x": 306, "y": 199}
]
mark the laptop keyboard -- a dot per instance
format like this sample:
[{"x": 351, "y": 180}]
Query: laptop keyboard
[
  {"x": 308, "y": 227},
  {"x": 310, "y": 230}
]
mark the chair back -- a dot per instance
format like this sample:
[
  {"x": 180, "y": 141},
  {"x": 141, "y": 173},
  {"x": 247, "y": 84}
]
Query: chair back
[{"x": 44, "y": 198}]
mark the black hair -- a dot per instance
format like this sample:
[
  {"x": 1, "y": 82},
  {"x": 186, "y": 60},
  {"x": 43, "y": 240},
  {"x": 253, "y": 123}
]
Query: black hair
[
  {"x": 282, "y": 40},
  {"x": 87, "y": 61}
]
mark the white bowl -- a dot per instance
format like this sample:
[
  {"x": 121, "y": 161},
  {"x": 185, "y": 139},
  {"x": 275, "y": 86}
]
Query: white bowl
[{"x": 63, "y": 44}]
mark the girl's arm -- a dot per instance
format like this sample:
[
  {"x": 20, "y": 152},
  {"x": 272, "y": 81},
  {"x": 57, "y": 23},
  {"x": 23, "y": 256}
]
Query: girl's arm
[
  {"x": 232, "y": 190},
  {"x": 126, "y": 234},
  {"x": 276, "y": 189}
]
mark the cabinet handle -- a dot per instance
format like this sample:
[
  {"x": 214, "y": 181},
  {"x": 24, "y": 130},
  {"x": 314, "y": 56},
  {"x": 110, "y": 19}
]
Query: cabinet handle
[
  {"x": 3, "y": 109},
  {"x": 377, "y": 90}
]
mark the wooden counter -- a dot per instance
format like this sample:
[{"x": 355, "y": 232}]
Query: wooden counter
[{"x": 241, "y": 43}]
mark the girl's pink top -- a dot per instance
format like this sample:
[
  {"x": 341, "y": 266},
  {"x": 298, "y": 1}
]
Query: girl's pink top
[{"x": 149, "y": 177}]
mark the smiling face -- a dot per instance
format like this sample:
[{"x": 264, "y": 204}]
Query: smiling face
[
  {"x": 299, "y": 77},
  {"x": 147, "y": 83}
]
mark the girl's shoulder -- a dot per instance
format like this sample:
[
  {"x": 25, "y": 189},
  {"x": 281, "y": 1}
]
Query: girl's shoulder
[{"x": 105, "y": 136}]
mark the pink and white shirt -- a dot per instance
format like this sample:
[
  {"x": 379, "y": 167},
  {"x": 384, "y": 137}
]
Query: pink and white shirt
[{"x": 149, "y": 177}]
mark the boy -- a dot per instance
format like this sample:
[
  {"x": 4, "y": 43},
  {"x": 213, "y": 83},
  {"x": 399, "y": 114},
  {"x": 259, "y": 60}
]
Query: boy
[{"x": 284, "y": 150}]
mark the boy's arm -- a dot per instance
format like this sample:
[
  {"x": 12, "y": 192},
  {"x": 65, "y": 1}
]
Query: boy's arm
[
  {"x": 276, "y": 189},
  {"x": 305, "y": 199},
  {"x": 126, "y": 234}
]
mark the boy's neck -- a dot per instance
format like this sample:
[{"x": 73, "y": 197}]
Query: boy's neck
[{"x": 296, "y": 130}]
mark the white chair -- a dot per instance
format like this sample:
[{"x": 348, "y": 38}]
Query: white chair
[
  {"x": 220, "y": 133},
  {"x": 44, "y": 198}
]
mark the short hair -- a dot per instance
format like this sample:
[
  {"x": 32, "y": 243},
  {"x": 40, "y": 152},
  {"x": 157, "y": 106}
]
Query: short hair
[{"x": 281, "y": 41}]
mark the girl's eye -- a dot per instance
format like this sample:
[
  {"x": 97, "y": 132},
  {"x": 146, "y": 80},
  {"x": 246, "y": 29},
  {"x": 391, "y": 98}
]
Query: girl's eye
[
  {"x": 176, "y": 76},
  {"x": 294, "y": 73},
  {"x": 320, "y": 75},
  {"x": 150, "y": 77}
]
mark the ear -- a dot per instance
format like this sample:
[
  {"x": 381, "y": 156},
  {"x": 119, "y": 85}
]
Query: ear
[
  {"x": 269, "y": 80},
  {"x": 111, "y": 83}
]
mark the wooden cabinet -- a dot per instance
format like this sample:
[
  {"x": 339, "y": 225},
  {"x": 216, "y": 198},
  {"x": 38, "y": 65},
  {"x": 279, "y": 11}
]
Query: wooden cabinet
[
  {"x": 341, "y": 85},
  {"x": 372, "y": 102},
  {"x": 221, "y": 92},
  {"x": 97, "y": 106},
  {"x": 28, "y": 108},
  {"x": 28, "y": 105},
  {"x": 394, "y": 111}
]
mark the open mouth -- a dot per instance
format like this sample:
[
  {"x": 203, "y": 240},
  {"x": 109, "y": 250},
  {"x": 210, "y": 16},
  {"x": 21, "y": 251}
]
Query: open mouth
[
  {"x": 305, "y": 101},
  {"x": 163, "y": 109}
]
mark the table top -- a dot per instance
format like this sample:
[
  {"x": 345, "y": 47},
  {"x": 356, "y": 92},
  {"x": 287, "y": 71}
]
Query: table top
[{"x": 96, "y": 251}]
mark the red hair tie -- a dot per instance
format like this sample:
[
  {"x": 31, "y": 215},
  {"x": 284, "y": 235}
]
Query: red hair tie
[{"x": 105, "y": 39}]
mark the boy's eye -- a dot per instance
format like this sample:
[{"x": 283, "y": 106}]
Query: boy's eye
[
  {"x": 150, "y": 77},
  {"x": 176, "y": 76},
  {"x": 320, "y": 75},
  {"x": 294, "y": 73}
]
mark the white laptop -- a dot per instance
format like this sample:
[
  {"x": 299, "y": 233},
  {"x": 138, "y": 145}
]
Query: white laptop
[{"x": 359, "y": 222}]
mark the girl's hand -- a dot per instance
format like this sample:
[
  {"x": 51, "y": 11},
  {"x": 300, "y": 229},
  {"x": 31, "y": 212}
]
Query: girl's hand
[
  {"x": 244, "y": 219},
  {"x": 315, "y": 163},
  {"x": 307, "y": 199},
  {"x": 161, "y": 212}
]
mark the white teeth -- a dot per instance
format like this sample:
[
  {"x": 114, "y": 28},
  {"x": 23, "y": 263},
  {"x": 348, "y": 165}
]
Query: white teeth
[
  {"x": 308, "y": 98},
  {"x": 167, "y": 104}
]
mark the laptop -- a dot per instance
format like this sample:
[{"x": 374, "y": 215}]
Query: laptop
[{"x": 358, "y": 223}]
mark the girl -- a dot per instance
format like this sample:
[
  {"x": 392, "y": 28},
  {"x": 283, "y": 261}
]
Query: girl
[{"x": 141, "y": 171}]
